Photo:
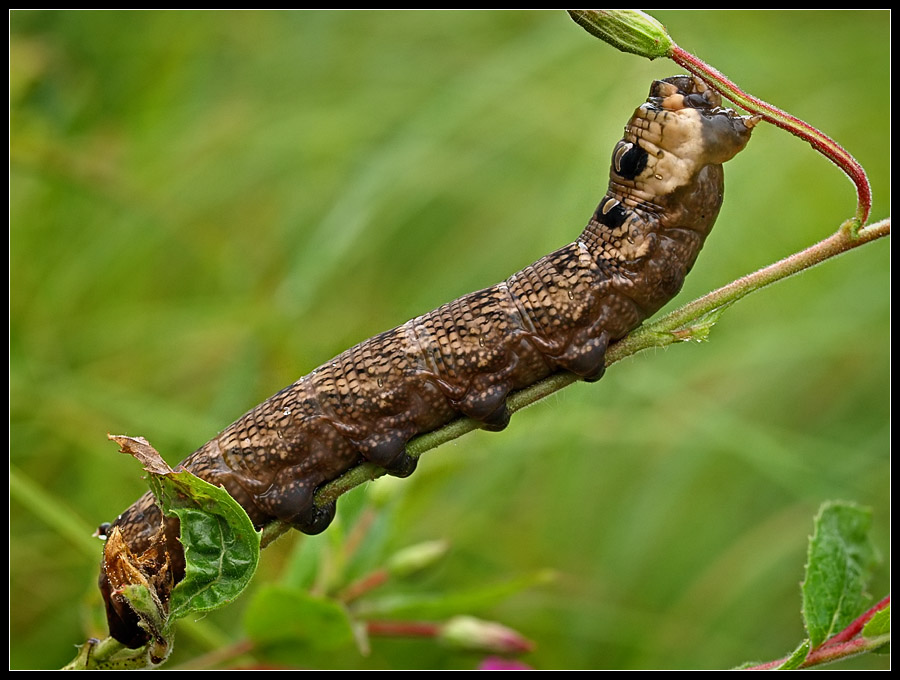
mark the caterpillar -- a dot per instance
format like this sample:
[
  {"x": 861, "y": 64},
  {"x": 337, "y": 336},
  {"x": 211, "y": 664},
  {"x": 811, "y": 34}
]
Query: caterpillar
[{"x": 464, "y": 358}]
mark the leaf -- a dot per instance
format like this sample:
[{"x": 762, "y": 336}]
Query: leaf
[
  {"x": 434, "y": 606},
  {"x": 698, "y": 330},
  {"x": 141, "y": 449},
  {"x": 879, "y": 625},
  {"x": 797, "y": 657},
  {"x": 110, "y": 654},
  {"x": 280, "y": 614},
  {"x": 137, "y": 588},
  {"x": 220, "y": 544},
  {"x": 839, "y": 557}
]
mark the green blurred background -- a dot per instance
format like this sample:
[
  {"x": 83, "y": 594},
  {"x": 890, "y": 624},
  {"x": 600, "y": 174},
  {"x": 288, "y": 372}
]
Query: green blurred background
[{"x": 205, "y": 206}]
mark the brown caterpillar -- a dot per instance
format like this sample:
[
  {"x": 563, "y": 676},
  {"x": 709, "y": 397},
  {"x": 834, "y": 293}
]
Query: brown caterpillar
[{"x": 464, "y": 358}]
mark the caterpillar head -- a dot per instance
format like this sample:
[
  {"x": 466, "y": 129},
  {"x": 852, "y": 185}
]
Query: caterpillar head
[
  {"x": 680, "y": 130},
  {"x": 698, "y": 109}
]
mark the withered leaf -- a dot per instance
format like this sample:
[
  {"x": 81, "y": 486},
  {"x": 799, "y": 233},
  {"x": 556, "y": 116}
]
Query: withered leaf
[{"x": 141, "y": 449}]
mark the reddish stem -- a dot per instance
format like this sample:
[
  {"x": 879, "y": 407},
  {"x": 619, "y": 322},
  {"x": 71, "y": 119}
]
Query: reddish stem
[
  {"x": 838, "y": 646},
  {"x": 403, "y": 628},
  {"x": 854, "y": 628},
  {"x": 819, "y": 141},
  {"x": 364, "y": 585},
  {"x": 359, "y": 532},
  {"x": 829, "y": 652}
]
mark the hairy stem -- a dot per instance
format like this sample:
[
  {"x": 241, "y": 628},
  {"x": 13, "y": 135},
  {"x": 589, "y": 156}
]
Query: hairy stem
[
  {"x": 845, "y": 644},
  {"x": 639, "y": 33},
  {"x": 678, "y": 326},
  {"x": 670, "y": 326},
  {"x": 859, "y": 623},
  {"x": 817, "y": 139}
]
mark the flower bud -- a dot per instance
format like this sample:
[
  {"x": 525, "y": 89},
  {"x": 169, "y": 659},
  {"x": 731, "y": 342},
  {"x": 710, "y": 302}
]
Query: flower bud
[
  {"x": 417, "y": 557},
  {"x": 468, "y": 632},
  {"x": 627, "y": 30}
]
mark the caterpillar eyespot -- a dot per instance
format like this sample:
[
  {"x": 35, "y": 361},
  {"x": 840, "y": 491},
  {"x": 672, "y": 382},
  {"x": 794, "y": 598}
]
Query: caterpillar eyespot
[{"x": 464, "y": 358}]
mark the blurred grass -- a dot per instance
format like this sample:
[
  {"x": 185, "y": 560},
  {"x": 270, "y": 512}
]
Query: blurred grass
[{"x": 205, "y": 206}]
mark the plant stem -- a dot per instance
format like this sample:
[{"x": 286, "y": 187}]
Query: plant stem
[
  {"x": 841, "y": 646},
  {"x": 817, "y": 139},
  {"x": 639, "y": 33},
  {"x": 403, "y": 628},
  {"x": 836, "y": 244},
  {"x": 362, "y": 586},
  {"x": 844, "y": 650},
  {"x": 858, "y": 624},
  {"x": 674, "y": 327}
]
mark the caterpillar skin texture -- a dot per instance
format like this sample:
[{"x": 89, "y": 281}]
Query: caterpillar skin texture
[{"x": 464, "y": 358}]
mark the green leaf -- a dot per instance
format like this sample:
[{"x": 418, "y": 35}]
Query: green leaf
[
  {"x": 280, "y": 614},
  {"x": 220, "y": 544},
  {"x": 110, "y": 654},
  {"x": 839, "y": 557},
  {"x": 434, "y": 606},
  {"x": 879, "y": 625},
  {"x": 797, "y": 657},
  {"x": 699, "y": 329},
  {"x": 147, "y": 606}
]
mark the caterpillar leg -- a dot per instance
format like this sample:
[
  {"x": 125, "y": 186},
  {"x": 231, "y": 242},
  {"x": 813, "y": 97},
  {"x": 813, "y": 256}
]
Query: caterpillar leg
[
  {"x": 388, "y": 450},
  {"x": 498, "y": 419},
  {"x": 586, "y": 355},
  {"x": 485, "y": 398},
  {"x": 315, "y": 519},
  {"x": 402, "y": 466},
  {"x": 486, "y": 403},
  {"x": 290, "y": 499}
]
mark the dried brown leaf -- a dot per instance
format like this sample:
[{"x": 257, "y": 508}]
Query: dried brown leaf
[{"x": 141, "y": 449}]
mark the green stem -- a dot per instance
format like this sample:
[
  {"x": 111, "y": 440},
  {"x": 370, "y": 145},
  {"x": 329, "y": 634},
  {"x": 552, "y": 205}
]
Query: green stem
[
  {"x": 674, "y": 327},
  {"x": 838, "y": 243}
]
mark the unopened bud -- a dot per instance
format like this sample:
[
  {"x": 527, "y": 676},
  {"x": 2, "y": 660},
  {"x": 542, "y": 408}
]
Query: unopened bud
[
  {"x": 627, "y": 30},
  {"x": 417, "y": 557},
  {"x": 470, "y": 633}
]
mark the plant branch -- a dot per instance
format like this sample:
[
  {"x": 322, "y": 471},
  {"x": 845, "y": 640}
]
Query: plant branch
[
  {"x": 639, "y": 33},
  {"x": 799, "y": 128},
  {"x": 677, "y": 322},
  {"x": 691, "y": 322},
  {"x": 845, "y": 644},
  {"x": 858, "y": 624}
]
